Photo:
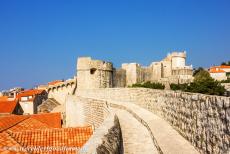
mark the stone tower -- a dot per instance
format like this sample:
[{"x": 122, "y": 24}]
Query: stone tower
[
  {"x": 178, "y": 59},
  {"x": 93, "y": 74},
  {"x": 133, "y": 73}
]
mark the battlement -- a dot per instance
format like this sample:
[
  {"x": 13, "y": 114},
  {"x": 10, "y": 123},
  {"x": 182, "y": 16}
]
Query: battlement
[
  {"x": 93, "y": 73},
  {"x": 178, "y": 54},
  {"x": 87, "y": 63}
]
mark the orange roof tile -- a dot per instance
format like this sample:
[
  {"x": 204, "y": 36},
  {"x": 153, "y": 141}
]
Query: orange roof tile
[
  {"x": 224, "y": 66},
  {"x": 51, "y": 119},
  {"x": 58, "y": 138},
  {"x": 8, "y": 106},
  {"x": 30, "y": 92},
  {"x": 3, "y": 98},
  {"x": 9, "y": 121},
  {"x": 33, "y": 131},
  {"x": 216, "y": 71},
  {"x": 28, "y": 124},
  {"x": 9, "y": 145},
  {"x": 54, "y": 82},
  {"x": 36, "y": 121}
]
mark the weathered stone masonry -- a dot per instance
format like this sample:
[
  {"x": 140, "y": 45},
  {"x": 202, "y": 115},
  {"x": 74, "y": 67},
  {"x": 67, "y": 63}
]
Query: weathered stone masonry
[
  {"x": 107, "y": 136},
  {"x": 203, "y": 120}
]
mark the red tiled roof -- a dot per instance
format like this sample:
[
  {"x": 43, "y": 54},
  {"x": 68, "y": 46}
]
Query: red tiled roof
[
  {"x": 51, "y": 119},
  {"x": 8, "y": 106},
  {"x": 54, "y": 82},
  {"x": 33, "y": 131},
  {"x": 29, "y": 124},
  {"x": 18, "y": 122},
  {"x": 9, "y": 121},
  {"x": 30, "y": 92},
  {"x": 224, "y": 66},
  {"x": 58, "y": 138},
  {"x": 216, "y": 71},
  {"x": 3, "y": 98},
  {"x": 7, "y": 142}
]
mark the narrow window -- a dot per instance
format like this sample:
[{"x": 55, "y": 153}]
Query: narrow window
[{"x": 93, "y": 70}]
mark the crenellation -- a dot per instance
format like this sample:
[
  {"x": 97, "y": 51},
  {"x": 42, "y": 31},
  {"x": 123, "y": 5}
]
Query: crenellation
[{"x": 93, "y": 73}]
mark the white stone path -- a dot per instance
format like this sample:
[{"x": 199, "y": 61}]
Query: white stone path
[
  {"x": 137, "y": 138},
  {"x": 135, "y": 135}
]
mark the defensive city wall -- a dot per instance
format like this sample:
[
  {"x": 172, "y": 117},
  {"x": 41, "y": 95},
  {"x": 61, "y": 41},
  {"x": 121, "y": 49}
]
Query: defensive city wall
[
  {"x": 139, "y": 118},
  {"x": 61, "y": 90},
  {"x": 203, "y": 120},
  {"x": 107, "y": 137}
]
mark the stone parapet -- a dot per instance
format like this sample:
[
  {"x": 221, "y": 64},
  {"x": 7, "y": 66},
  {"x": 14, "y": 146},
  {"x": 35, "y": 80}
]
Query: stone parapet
[
  {"x": 106, "y": 139},
  {"x": 203, "y": 120}
]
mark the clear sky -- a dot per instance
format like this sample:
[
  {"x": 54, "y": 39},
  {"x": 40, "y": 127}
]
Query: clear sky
[{"x": 41, "y": 39}]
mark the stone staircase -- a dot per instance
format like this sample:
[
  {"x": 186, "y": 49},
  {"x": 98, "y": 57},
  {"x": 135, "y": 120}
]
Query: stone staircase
[{"x": 48, "y": 105}]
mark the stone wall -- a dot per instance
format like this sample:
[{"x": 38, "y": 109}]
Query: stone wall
[
  {"x": 119, "y": 78},
  {"x": 60, "y": 93},
  {"x": 204, "y": 120},
  {"x": 93, "y": 73},
  {"x": 82, "y": 111},
  {"x": 106, "y": 139}
]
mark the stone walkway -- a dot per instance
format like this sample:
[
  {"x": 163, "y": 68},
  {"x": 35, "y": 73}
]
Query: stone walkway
[
  {"x": 136, "y": 138},
  {"x": 168, "y": 139}
]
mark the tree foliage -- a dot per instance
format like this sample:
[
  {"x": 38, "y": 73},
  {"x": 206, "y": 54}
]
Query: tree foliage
[
  {"x": 226, "y": 81},
  {"x": 195, "y": 71},
  {"x": 226, "y": 63},
  {"x": 203, "y": 83},
  {"x": 148, "y": 84}
]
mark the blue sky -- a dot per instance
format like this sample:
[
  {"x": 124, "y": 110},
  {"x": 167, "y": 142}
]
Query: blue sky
[{"x": 41, "y": 39}]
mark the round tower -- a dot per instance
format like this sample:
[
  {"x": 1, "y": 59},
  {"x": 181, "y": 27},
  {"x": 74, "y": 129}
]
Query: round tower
[
  {"x": 178, "y": 59},
  {"x": 93, "y": 74}
]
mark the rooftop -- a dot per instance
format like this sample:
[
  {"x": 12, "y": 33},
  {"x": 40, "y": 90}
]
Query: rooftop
[
  {"x": 3, "y": 98},
  {"x": 219, "y": 69},
  {"x": 44, "y": 130},
  {"x": 62, "y": 137},
  {"x": 8, "y": 106},
  {"x": 30, "y": 92}
]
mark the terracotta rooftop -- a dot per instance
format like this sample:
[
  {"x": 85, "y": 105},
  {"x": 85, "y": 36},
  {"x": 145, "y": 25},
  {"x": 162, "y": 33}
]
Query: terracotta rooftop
[
  {"x": 71, "y": 138},
  {"x": 51, "y": 119},
  {"x": 216, "y": 71},
  {"x": 44, "y": 130},
  {"x": 219, "y": 69},
  {"x": 3, "y": 98},
  {"x": 224, "y": 66},
  {"x": 29, "y": 93},
  {"x": 8, "y": 106},
  {"x": 28, "y": 124},
  {"x": 6, "y": 142},
  {"x": 18, "y": 121},
  {"x": 9, "y": 121}
]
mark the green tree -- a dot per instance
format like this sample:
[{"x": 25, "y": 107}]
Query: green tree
[
  {"x": 195, "y": 71},
  {"x": 226, "y": 63},
  {"x": 203, "y": 83},
  {"x": 148, "y": 84},
  {"x": 202, "y": 75}
]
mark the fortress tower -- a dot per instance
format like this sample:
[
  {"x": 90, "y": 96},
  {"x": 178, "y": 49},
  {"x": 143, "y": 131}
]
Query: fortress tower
[
  {"x": 177, "y": 59},
  {"x": 93, "y": 73}
]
